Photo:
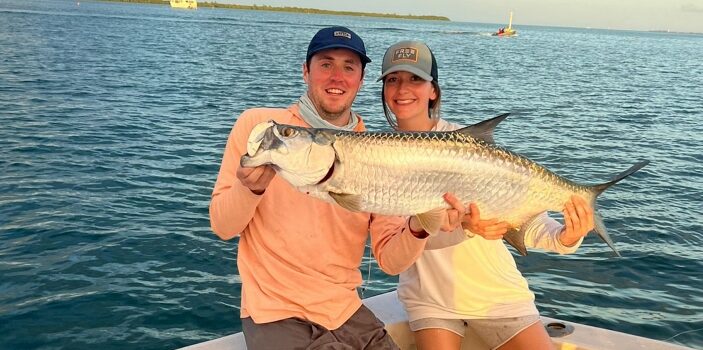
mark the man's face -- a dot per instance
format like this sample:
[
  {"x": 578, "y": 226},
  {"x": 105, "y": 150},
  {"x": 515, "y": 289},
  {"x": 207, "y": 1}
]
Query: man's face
[{"x": 334, "y": 78}]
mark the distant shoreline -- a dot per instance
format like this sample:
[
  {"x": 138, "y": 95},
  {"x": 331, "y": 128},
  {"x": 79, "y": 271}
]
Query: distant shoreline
[{"x": 294, "y": 10}]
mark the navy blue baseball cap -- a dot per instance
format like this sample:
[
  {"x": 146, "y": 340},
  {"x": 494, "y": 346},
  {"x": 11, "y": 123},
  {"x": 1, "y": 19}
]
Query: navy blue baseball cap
[{"x": 337, "y": 37}]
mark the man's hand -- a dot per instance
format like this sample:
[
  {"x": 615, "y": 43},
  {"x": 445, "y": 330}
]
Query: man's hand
[
  {"x": 256, "y": 179},
  {"x": 578, "y": 221},
  {"x": 488, "y": 229}
]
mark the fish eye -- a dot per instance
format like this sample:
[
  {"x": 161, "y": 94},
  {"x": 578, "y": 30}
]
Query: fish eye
[{"x": 288, "y": 132}]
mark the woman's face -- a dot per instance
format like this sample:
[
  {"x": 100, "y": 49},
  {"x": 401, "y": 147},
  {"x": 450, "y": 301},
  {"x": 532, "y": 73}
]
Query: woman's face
[{"x": 408, "y": 96}]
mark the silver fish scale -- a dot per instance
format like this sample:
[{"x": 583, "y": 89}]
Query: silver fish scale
[{"x": 407, "y": 173}]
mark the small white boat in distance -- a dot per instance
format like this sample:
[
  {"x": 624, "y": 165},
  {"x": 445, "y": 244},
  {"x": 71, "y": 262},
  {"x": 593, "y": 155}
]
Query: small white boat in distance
[
  {"x": 184, "y": 4},
  {"x": 565, "y": 335}
]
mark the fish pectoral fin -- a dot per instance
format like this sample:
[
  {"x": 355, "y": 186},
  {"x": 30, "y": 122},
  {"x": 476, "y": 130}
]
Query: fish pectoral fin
[
  {"x": 347, "y": 200},
  {"x": 431, "y": 221},
  {"x": 516, "y": 238}
]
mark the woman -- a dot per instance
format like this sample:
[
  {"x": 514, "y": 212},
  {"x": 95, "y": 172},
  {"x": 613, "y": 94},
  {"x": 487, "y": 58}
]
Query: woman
[{"x": 475, "y": 283}]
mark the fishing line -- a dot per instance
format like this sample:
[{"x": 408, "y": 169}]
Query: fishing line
[{"x": 367, "y": 282}]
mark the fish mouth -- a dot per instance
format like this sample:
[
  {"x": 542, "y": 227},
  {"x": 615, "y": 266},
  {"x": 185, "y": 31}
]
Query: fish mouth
[
  {"x": 251, "y": 162},
  {"x": 260, "y": 134},
  {"x": 256, "y": 137}
]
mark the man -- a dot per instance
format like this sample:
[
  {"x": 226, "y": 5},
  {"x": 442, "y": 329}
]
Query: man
[{"x": 299, "y": 256}]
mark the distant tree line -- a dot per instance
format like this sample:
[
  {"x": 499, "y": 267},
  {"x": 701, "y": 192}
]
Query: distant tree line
[
  {"x": 159, "y": 2},
  {"x": 294, "y": 9}
]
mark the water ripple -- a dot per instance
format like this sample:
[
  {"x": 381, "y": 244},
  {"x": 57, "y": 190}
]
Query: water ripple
[{"x": 113, "y": 130}]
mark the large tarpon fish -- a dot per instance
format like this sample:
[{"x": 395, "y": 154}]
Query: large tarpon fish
[{"x": 407, "y": 173}]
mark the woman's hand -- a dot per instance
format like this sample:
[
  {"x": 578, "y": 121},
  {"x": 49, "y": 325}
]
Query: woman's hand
[
  {"x": 454, "y": 215},
  {"x": 466, "y": 217},
  {"x": 578, "y": 221},
  {"x": 488, "y": 229},
  {"x": 451, "y": 218}
]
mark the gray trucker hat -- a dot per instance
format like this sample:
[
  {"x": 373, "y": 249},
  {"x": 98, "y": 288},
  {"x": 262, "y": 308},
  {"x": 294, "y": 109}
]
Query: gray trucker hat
[{"x": 410, "y": 56}]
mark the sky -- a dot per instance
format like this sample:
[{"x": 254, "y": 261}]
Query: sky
[{"x": 672, "y": 15}]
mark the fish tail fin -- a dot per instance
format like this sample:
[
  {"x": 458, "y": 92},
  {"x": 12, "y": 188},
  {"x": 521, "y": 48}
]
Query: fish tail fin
[
  {"x": 598, "y": 189},
  {"x": 599, "y": 226},
  {"x": 603, "y": 232}
]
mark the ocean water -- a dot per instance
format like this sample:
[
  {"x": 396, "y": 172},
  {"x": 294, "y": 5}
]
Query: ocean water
[{"x": 114, "y": 116}]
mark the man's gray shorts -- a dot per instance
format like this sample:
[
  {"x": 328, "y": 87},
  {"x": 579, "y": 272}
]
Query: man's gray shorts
[
  {"x": 362, "y": 331},
  {"x": 494, "y": 332}
]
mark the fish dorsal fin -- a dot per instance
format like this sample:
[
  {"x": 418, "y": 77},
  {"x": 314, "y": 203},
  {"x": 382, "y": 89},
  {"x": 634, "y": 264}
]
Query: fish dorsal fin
[
  {"x": 484, "y": 130},
  {"x": 431, "y": 221},
  {"x": 516, "y": 238},
  {"x": 347, "y": 201}
]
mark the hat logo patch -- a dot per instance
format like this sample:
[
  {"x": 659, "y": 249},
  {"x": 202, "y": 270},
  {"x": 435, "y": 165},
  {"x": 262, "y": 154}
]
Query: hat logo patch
[
  {"x": 342, "y": 34},
  {"x": 405, "y": 54}
]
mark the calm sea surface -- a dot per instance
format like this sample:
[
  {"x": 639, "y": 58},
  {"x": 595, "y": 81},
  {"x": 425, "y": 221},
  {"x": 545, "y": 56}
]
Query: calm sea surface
[{"x": 113, "y": 119}]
